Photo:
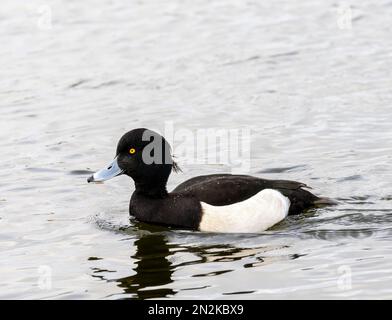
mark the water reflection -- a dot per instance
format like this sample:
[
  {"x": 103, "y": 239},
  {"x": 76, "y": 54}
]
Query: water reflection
[
  {"x": 158, "y": 257},
  {"x": 152, "y": 268}
]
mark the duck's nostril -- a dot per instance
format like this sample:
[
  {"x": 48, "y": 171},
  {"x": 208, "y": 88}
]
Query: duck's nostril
[{"x": 110, "y": 167}]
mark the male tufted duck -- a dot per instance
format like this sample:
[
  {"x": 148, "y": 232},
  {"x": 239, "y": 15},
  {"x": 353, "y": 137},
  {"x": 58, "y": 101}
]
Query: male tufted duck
[{"x": 213, "y": 203}]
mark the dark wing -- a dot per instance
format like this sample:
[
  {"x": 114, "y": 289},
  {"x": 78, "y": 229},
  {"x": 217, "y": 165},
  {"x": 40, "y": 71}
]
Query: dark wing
[{"x": 225, "y": 189}]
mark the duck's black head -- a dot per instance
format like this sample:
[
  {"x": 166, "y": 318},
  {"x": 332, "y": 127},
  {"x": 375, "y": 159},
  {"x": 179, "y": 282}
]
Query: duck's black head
[{"x": 145, "y": 156}]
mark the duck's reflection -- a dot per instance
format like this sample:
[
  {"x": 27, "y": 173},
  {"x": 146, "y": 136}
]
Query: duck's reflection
[
  {"x": 153, "y": 269},
  {"x": 157, "y": 259}
]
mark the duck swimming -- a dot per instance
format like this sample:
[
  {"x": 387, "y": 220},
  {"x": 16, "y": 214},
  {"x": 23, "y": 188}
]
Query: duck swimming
[{"x": 211, "y": 203}]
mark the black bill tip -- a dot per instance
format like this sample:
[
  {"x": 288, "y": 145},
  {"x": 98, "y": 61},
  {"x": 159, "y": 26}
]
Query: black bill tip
[{"x": 90, "y": 179}]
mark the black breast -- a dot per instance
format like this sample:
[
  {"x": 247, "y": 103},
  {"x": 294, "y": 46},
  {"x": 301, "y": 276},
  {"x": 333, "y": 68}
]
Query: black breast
[{"x": 181, "y": 210}]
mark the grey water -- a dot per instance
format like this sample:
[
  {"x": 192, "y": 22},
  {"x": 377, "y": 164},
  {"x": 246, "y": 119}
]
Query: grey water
[{"x": 312, "y": 82}]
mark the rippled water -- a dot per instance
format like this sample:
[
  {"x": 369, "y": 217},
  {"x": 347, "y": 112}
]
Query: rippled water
[{"x": 316, "y": 96}]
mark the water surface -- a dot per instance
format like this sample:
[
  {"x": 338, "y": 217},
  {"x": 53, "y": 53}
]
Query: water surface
[{"x": 316, "y": 96}]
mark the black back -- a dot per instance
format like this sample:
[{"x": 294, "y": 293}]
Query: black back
[{"x": 225, "y": 189}]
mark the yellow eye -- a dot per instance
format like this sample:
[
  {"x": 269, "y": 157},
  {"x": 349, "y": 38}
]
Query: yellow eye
[{"x": 132, "y": 150}]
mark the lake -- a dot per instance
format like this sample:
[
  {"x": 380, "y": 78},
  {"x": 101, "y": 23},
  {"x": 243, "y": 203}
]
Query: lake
[{"x": 309, "y": 81}]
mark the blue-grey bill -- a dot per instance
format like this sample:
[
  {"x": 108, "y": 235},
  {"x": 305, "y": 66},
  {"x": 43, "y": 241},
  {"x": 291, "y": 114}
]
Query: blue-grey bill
[{"x": 110, "y": 171}]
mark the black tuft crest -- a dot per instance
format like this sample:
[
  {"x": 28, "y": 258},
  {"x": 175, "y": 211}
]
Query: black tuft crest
[{"x": 176, "y": 167}]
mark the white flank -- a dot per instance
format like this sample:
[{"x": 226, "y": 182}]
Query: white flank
[{"x": 253, "y": 215}]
